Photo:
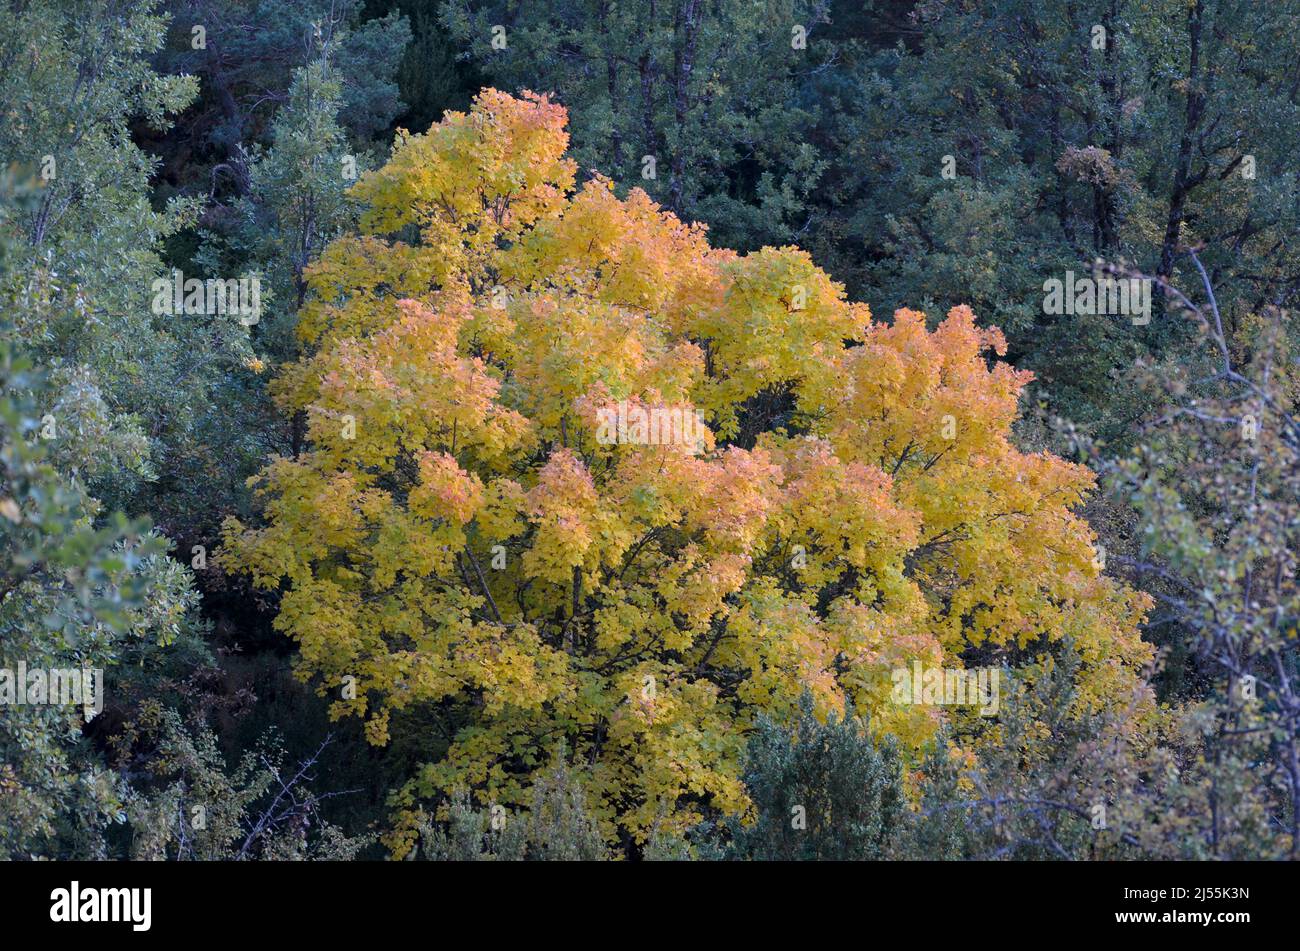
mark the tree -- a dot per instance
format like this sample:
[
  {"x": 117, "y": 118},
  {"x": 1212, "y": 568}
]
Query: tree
[
  {"x": 711, "y": 108},
  {"x": 246, "y": 55},
  {"x": 1044, "y": 136},
  {"x": 556, "y": 827},
  {"x": 138, "y": 385},
  {"x": 500, "y": 517},
  {"x": 297, "y": 198},
  {"x": 81, "y": 589},
  {"x": 1049, "y": 781},
  {"x": 189, "y": 806},
  {"x": 433, "y": 77},
  {"x": 1215, "y": 481},
  {"x": 820, "y": 791}
]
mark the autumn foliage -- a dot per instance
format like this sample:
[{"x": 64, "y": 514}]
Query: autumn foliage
[{"x": 456, "y": 537}]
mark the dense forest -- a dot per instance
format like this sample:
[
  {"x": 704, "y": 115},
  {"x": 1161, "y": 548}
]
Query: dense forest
[{"x": 649, "y": 429}]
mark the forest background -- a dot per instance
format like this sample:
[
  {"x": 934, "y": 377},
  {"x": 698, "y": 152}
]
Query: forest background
[{"x": 925, "y": 155}]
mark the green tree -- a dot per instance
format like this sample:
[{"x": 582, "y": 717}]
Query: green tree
[
  {"x": 1041, "y": 137},
  {"x": 820, "y": 790},
  {"x": 703, "y": 105},
  {"x": 1215, "y": 481},
  {"x": 79, "y": 589},
  {"x": 246, "y": 55},
  {"x": 557, "y": 827},
  {"x": 189, "y": 806},
  {"x": 136, "y": 387}
]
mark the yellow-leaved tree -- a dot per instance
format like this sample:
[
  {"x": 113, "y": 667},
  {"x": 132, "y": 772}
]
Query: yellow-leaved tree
[{"x": 575, "y": 480}]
